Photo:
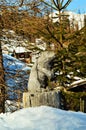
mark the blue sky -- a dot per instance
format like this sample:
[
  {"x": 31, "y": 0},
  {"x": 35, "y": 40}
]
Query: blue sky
[{"x": 77, "y": 5}]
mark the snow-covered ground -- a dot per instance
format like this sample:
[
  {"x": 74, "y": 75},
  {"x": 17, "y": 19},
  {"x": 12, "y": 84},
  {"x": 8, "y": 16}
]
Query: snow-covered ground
[
  {"x": 43, "y": 118},
  {"x": 16, "y": 75}
]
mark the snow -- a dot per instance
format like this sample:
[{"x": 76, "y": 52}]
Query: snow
[
  {"x": 78, "y": 82},
  {"x": 43, "y": 118},
  {"x": 16, "y": 75},
  {"x": 20, "y": 49},
  {"x": 12, "y": 105},
  {"x": 74, "y": 18}
]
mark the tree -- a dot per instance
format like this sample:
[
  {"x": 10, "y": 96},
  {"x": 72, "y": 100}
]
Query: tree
[
  {"x": 78, "y": 50},
  {"x": 21, "y": 21},
  {"x": 56, "y": 31},
  {"x": 71, "y": 62},
  {"x": 3, "y": 5},
  {"x": 2, "y": 84},
  {"x": 2, "y": 81},
  {"x": 59, "y": 6},
  {"x": 84, "y": 20}
]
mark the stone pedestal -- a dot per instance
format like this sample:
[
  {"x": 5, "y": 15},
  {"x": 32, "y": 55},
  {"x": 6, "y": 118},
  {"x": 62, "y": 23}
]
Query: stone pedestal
[{"x": 46, "y": 98}]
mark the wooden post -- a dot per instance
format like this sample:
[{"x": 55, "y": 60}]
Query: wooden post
[{"x": 83, "y": 104}]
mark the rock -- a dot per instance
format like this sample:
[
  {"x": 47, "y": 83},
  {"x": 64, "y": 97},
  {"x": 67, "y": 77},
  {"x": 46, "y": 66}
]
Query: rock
[{"x": 41, "y": 71}]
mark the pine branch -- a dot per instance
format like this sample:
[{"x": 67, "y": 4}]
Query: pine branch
[
  {"x": 66, "y": 4},
  {"x": 22, "y": 1},
  {"x": 54, "y": 37},
  {"x": 48, "y": 4},
  {"x": 62, "y": 2}
]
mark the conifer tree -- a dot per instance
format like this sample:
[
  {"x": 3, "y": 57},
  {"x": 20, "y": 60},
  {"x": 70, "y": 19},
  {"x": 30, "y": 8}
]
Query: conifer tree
[
  {"x": 59, "y": 5},
  {"x": 2, "y": 79}
]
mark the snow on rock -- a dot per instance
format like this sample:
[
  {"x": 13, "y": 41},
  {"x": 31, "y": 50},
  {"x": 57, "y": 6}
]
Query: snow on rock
[{"x": 43, "y": 118}]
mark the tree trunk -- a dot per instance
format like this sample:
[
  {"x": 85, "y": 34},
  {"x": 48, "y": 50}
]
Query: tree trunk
[
  {"x": 60, "y": 24},
  {"x": 2, "y": 84}
]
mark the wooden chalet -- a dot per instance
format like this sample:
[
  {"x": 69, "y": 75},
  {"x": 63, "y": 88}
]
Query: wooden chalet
[
  {"x": 22, "y": 54},
  {"x": 80, "y": 86}
]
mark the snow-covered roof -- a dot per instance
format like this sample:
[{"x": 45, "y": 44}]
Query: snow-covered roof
[
  {"x": 77, "y": 83},
  {"x": 21, "y": 50}
]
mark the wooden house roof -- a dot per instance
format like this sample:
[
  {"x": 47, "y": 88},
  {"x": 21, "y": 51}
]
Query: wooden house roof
[{"x": 78, "y": 86}]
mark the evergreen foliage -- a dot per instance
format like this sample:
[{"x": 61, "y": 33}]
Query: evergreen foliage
[
  {"x": 71, "y": 62},
  {"x": 58, "y": 5},
  {"x": 73, "y": 100}
]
